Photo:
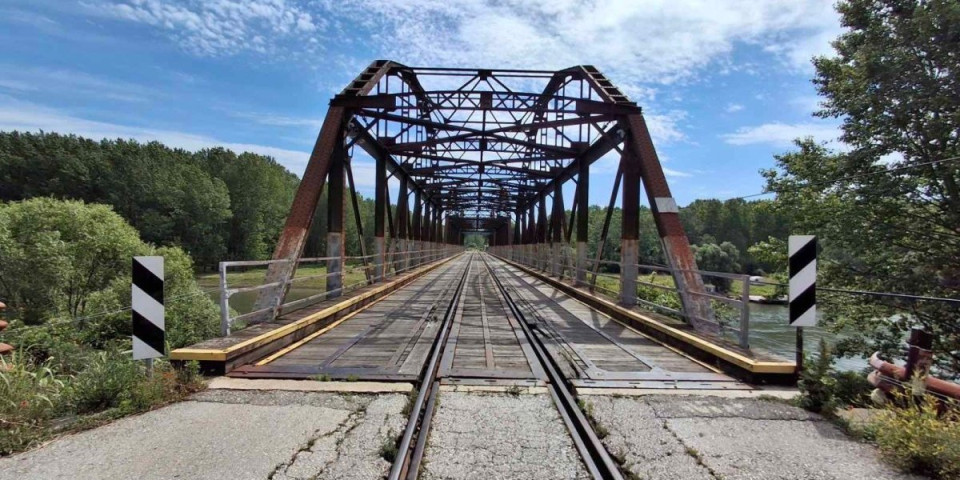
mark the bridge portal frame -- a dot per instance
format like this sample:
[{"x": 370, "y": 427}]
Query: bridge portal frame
[{"x": 410, "y": 133}]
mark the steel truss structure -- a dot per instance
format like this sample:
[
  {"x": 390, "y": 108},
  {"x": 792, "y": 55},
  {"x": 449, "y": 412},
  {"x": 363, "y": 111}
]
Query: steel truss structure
[{"x": 486, "y": 150}]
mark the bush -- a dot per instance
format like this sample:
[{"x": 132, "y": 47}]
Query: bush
[
  {"x": 56, "y": 253},
  {"x": 852, "y": 389},
  {"x": 190, "y": 314},
  {"x": 100, "y": 386},
  {"x": 917, "y": 439},
  {"x": 28, "y": 398},
  {"x": 112, "y": 385},
  {"x": 818, "y": 382}
]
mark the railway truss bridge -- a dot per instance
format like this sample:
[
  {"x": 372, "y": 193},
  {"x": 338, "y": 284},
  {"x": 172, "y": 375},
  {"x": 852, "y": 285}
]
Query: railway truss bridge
[{"x": 491, "y": 152}]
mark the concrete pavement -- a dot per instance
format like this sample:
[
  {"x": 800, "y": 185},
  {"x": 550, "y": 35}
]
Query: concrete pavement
[
  {"x": 228, "y": 434},
  {"x": 704, "y": 437}
]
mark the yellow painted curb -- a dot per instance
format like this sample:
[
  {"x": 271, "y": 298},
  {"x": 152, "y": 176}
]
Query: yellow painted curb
[
  {"x": 730, "y": 356},
  {"x": 222, "y": 355}
]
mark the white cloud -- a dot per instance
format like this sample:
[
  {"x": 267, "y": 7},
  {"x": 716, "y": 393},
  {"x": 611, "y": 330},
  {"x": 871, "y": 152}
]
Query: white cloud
[
  {"x": 280, "y": 120},
  {"x": 23, "y": 116},
  {"x": 665, "y": 127},
  {"x": 656, "y": 41},
  {"x": 73, "y": 82},
  {"x": 675, "y": 173},
  {"x": 734, "y": 107},
  {"x": 782, "y": 134},
  {"x": 221, "y": 27},
  {"x": 807, "y": 104},
  {"x": 653, "y": 41}
]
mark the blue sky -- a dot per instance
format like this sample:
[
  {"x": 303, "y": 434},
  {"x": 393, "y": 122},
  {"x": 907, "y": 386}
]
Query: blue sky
[{"x": 724, "y": 84}]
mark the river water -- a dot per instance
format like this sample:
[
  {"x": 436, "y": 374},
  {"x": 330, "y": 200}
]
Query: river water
[{"x": 769, "y": 330}]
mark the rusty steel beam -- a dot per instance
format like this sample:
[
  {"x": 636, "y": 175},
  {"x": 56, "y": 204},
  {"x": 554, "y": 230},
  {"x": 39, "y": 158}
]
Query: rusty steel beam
[
  {"x": 294, "y": 234},
  {"x": 676, "y": 246},
  {"x": 483, "y": 146}
]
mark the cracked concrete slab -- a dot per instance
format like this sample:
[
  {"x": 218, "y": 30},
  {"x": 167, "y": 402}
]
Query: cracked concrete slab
[
  {"x": 496, "y": 436},
  {"x": 666, "y": 437},
  {"x": 353, "y": 450},
  {"x": 223, "y": 434}
]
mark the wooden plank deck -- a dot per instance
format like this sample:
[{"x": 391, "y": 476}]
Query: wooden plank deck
[
  {"x": 485, "y": 340},
  {"x": 595, "y": 346},
  {"x": 388, "y": 340}
]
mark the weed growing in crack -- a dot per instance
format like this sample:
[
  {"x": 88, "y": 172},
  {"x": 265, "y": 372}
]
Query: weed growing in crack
[
  {"x": 411, "y": 399},
  {"x": 390, "y": 447}
]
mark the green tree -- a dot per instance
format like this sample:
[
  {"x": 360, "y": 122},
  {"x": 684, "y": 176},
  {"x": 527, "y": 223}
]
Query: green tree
[
  {"x": 887, "y": 210},
  {"x": 717, "y": 258},
  {"x": 474, "y": 241},
  {"x": 55, "y": 254},
  {"x": 71, "y": 259}
]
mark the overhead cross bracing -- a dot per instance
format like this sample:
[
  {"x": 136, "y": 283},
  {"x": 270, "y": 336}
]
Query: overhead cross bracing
[
  {"x": 479, "y": 142},
  {"x": 487, "y": 150}
]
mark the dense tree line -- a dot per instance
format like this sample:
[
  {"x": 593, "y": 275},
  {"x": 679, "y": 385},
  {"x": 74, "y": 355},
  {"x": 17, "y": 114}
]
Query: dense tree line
[
  {"x": 214, "y": 203},
  {"x": 723, "y": 230}
]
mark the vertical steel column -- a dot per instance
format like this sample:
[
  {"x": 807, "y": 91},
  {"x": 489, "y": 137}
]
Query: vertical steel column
[
  {"x": 515, "y": 245},
  {"x": 556, "y": 230},
  {"x": 335, "y": 237},
  {"x": 630, "y": 233},
  {"x": 676, "y": 247},
  {"x": 438, "y": 232},
  {"x": 414, "y": 245},
  {"x": 403, "y": 224},
  {"x": 531, "y": 251},
  {"x": 541, "y": 232},
  {"x": 380, "y": 210},
  {"x": 583, "y": 221},
  {"x": 426, "y": 225},
  {"x": 295, "y": 230}
]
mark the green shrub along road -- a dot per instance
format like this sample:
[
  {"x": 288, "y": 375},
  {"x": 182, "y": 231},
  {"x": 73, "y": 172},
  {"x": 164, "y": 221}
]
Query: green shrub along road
[{"x": 65, "y": 276}]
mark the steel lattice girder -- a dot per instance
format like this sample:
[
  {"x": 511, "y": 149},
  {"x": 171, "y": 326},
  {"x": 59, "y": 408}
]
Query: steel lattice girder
[
  {"x": 482, "y": 141},
  {"x": 486, "y": 145}
]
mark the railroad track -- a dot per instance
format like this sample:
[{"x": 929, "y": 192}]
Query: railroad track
[{"x": 596, "y": 459}]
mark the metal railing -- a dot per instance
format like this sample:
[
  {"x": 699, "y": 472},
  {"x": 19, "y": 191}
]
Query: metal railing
[
  {"x": 396, "y": 262},
  {"x": 732, "y": 313}
]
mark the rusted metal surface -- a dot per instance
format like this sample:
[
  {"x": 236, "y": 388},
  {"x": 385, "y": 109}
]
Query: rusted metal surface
[
  {"x": 889, "y": 377},
  {"x": 481, "y": 150},
  {"x": 915, "y": 373},
  {"x": 676, "y": 247}
]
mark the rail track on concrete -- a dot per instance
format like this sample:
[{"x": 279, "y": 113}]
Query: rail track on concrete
[
  {"x": 477, "y": 322},
  {"x": 596, "y": 459}
]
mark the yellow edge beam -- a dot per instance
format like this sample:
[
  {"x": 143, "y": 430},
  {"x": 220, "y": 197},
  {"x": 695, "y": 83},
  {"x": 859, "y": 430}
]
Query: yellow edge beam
[
  {"x": 221, "y": 355},
  {"x": 735, "y": 358},
  {"x": 296, "y": 345}
]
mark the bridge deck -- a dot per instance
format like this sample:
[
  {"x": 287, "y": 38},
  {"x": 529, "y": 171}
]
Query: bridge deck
[{"x": 390, "y": 339}]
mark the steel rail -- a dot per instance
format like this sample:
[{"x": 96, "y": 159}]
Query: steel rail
[
  {"x": 407, "y": 463},
  {"x": 595, "y": 456}
]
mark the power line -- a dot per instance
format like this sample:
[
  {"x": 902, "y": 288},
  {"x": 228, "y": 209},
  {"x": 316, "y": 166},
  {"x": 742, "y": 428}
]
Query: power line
[
  {"x": 852, "y": 177},
  {"x": 75, "y": 320},
  {"x": 905, "y": 296}
]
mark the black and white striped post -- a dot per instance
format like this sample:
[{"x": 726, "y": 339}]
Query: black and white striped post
[
  {"x": 803, "y": 287},
  {"x": 147, "y": 309}
]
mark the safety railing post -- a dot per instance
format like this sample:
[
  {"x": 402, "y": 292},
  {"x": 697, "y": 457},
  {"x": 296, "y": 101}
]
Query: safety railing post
[
  {"x": 745, "y": 313},
  {"x": 224, "y": 301}
]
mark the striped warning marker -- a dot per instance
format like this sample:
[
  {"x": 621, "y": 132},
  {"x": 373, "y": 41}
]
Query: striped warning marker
[
  {"x": 147, "y": 307},
  {"x": 803, "y": 280}
]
